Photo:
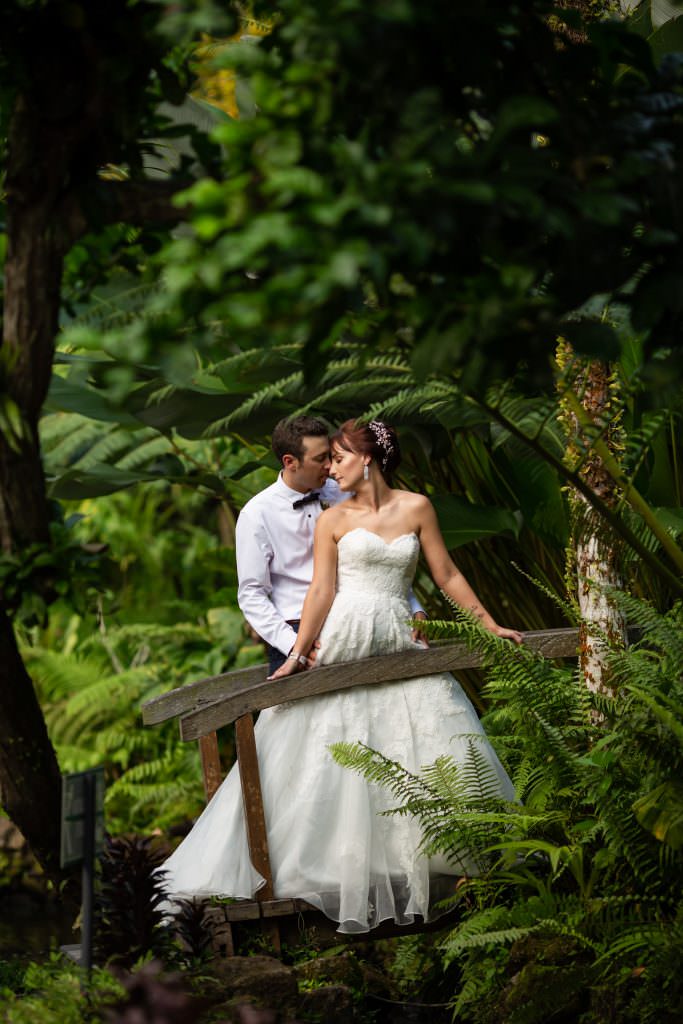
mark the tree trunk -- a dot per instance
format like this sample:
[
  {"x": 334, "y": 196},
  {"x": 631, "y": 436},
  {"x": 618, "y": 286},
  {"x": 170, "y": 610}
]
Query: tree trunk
[
  {"x": 77, "y": 105},
  {"x": 596, "y": 549},
  {"x": 30, "y": 782},
  {"x": 32, "y": 276}
]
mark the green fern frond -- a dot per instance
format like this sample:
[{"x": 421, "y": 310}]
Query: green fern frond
[
  {"x": 161, "y": 393},
  {"x": 536, "y": 419},
  {"x": 137, "y": 633},
  {"x": 410, "y": 401},
  {"x": 376, "y": 768},
  {"x": 639, "y": 441},
  {"x": 285, "y": 387},
  {"x": 634, "y": 944},
  {"x": 458, "y": 805},
  {"x": 54, "y": 427},
  {"x": 569, "y": 608},
  {"x": 354, "y": 392},
  {"x": 666, "y": 710},
  {"x": 253, "y": 359},
  {"x": 57, "y": 425},
  {"x": 145, "y": 771},
  {"x": 74, "y": 444},
  {"x": 341, "y": 371},
  {"x": 58, "y": 675},
  {"x": 145, "y": 451},
  {"x": 107, "y": 312},
  {"x": 392, "y": 361},
  {"x": 97, "y": 698},
  {"x": 73, "y": 757},
  {"x": 503, "y": 937},
  {"x": 107, "y": 447}
]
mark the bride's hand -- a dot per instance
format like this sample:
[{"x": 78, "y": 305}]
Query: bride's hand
[
  {"x": 290, "y": 667},
  {"x": 508, "y": 634},
  {"x": 417, "y": 635}
]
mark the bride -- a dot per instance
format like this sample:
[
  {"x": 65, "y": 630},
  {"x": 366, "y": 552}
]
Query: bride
[{"x": 329, "y": 842}]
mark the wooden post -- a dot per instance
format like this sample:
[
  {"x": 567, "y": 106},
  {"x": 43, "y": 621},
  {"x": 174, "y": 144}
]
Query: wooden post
[
  {"x": 211, "y": 764},
  {"x": 254, "y": 814}
]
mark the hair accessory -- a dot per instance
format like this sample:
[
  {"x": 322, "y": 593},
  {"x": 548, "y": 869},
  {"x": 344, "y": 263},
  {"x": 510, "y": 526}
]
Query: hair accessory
[{"x": 383, "y": 439}]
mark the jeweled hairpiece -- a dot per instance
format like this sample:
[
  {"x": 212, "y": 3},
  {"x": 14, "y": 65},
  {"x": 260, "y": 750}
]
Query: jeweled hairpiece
[{"x": 383, "y": 438}]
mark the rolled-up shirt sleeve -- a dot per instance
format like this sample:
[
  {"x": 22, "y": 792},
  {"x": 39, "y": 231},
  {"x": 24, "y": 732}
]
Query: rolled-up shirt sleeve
[
  {"x": 415, "y": 605},
  {"x": 254, "y": 555}
]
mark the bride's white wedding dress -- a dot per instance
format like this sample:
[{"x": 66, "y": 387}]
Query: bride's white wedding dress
[{"x": 328, "y": 841}]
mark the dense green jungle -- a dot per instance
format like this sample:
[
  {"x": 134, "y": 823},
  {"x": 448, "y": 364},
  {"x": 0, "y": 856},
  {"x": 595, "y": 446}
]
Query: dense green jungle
[{"x": 464, "y": 222}]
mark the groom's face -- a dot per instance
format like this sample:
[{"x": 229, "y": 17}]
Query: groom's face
[{"x": 313, "y": 468}]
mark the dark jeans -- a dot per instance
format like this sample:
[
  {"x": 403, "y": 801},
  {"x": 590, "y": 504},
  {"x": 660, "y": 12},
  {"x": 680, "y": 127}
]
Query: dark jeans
[{"x": 276, "y": 657}]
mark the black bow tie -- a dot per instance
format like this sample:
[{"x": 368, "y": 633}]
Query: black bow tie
[{"x": 300, "y": 502}]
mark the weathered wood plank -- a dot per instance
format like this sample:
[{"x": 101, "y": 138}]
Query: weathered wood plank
[
  {"x": 252, "y": 910},
  {"x": 277, "y": 908},
  {"x": 241, "y": 910},
  {"x": 280, "y": 908},
  {"x": 211, "y": 763},
  {"x": 555, "y": 643},
  {"x": 195, "y": 695}
]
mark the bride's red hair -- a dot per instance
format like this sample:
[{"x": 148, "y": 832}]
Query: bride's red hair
[{"x": 377, "y": 439}]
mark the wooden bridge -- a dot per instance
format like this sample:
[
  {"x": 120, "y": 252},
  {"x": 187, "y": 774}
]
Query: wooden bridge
[{"x": 205, "y": 706}]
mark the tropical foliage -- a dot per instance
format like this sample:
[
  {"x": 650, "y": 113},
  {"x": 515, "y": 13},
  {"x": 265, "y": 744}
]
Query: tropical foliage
[
  {"x": 52, "y": 993},
  {"x": 159, "y": 379},
  {"x": 577, "y": 910},
  {"x": 405, "y": 237},
  {"x": 160, "y": 611},
  {"x": 407, "y": 270}
]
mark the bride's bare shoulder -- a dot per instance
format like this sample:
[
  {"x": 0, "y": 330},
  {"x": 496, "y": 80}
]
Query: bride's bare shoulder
[
  {"x": 331, "y": 518},
  {"x": 411, "y": 501}
]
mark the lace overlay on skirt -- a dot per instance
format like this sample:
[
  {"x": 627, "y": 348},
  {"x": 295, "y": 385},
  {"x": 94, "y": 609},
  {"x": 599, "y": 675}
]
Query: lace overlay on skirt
[{"x": 328, "y": 841}]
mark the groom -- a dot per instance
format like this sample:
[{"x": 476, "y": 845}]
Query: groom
[{"x": 274, "y": 535}]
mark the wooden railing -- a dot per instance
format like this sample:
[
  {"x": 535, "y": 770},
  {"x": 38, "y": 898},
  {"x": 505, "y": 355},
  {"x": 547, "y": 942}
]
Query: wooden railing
[{"x": 209, "y": 704}]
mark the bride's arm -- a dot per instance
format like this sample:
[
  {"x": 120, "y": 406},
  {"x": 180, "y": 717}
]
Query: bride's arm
[
  {"x": 448, "y": 577},
  {"x": 319, "y": 596}
]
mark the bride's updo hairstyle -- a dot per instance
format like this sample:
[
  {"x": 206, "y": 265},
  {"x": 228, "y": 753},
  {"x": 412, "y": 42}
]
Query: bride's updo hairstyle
[{"x": 376, "y": 439}]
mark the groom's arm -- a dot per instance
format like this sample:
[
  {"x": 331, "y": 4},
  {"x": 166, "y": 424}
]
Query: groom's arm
[
  {"x": 418, "y": 613},
  {"x": 415, "y": 605},
  {"x": 254, "y": 555}
]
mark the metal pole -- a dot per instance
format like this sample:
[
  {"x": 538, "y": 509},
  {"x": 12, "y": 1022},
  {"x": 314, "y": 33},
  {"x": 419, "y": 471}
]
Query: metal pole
[{"x": 88, "y": 872}]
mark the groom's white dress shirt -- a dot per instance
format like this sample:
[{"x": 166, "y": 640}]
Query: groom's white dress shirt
[{"x": 274, "y": 549}]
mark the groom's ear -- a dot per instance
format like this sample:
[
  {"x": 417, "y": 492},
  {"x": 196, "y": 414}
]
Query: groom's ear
[{"x": 288, "y": 460}]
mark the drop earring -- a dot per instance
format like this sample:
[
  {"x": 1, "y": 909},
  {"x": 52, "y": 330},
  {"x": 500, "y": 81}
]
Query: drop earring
[{"x": 366, "y": 472}]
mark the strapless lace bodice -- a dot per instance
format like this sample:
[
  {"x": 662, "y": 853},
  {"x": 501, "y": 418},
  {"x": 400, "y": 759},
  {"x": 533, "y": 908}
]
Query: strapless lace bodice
[
  {"x": 370, "y": 565},
  {"x": 370, "y": 612}
]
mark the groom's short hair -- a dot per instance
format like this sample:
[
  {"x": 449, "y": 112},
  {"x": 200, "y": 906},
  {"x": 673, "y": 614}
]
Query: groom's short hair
[{"x": 289, "y": 434}]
